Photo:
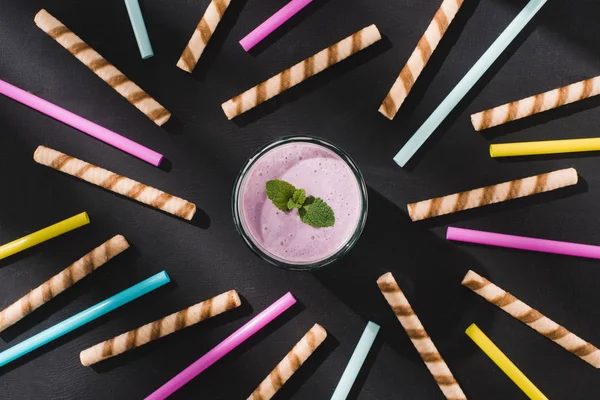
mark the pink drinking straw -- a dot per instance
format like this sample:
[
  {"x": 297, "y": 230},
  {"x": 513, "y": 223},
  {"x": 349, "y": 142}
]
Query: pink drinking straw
[
  {"x": 276, "y": 20},
  {"x": 77, "y": 122},
  {"x": 223, "y": 348},
  {"x": 523, "y": 243}
]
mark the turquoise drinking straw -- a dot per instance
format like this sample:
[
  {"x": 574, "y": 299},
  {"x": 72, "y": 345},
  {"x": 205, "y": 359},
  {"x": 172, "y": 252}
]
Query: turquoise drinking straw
[
  {"x": 139, "y": 28},
  {"x": 467, "y": 83},
  {"x": 70, "y": 324},
  {"x": 356, "y": 361}
]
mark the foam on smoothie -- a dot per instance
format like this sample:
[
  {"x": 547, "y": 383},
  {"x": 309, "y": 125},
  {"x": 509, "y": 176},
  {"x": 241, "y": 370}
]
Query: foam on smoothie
[{"x": 322, "y": 173}]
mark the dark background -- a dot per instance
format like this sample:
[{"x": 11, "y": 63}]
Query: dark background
[{"x": 207, "y": 257}]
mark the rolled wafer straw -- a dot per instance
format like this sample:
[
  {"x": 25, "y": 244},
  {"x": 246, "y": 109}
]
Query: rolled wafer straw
[
  {"x": 467, "y": 83},
  {"x": 419, "y": 337},
  {"x": 160, "y": 328},
  {"x": 301, "y": 71},
  {"x": 274, "y": 22},
  {"x": 544, "y": 147},
  {"x": 139, "y": 28},
  {"x": 504, "y": 363},
  {"x": 62, "y": 281},
  {"x": 290, "y": 364},
  {"x": 43, "y": 235},
  {"x": 224, "y": 348},
  {"x": 88, "y": 315},
  {"x": 419, "y": 58},
  {"x": 114, "y": 182},
  {"x": 356, "y": 361},
  {"x": 492, "y": 194},
  {"x": 532, "y": 318},
  {"x": 523, "y": 243},
  {"x": 84, "y": 125},
  {"x": 101, "y": 67},
  {"x": 536, "y": 104},
  {"x": 204, "y": 31}
]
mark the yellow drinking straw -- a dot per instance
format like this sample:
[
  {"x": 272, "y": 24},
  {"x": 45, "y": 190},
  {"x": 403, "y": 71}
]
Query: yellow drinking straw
[
  {"x": 507, "y": 366},
  {"x": 544, "y": 147},
  {"x": 45, "y": 234}
]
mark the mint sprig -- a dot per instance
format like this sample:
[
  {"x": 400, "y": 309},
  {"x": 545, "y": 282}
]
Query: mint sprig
[{"x": 312, "y": 211}]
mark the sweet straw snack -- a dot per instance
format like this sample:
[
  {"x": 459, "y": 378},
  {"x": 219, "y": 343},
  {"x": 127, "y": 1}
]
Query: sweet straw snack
[
  {"x": 301, "y": 71},
  {"x": 101, "y": 67},
  {"x": 43, "y": 235},
  {"x": 492, "y": 194},
  {"x": 544, "y": 147},
  {"x": 420, "y": 57},
  {"x": 88, "y": 315},
  {"x": 62, "y": 281},
  {"x": 523, "y": 243},
  {"x": 532, "y": 318},
  {"x": 84, "y": 125},
  {"x": 160, "y": 328},
  {"x": 290, "y": 364},
  {"x": 115, "y": 183},
  {"x": 139, "y": 28},
  {"x": 224, "y": 348},
  {"x": 467, "y": 83},
  {"x": 199, "y": 40},
  {"x": 504, "y": 363},
  {"x": 419, "y": 337},
  {"x": 536, "y": 104}
]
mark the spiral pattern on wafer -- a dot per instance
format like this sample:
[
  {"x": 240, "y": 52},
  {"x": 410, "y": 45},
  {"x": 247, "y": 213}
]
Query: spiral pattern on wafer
[
  {"x": 290, "y": 364},
  {"x": 62, "y": 281},
  {"x": 114, "y": 182},
  {"x": 101, "y": 67},
  {"x": 419, "y": 58},
  {"x": 492, "y": 194},
  {"x": 160, "y": 328},
  {"x": 536, "y": 104},
  {"x": 301, "y": 71},
  {"x": 204, "y": 31},
  {"x": 419, "y": 337},
  {"x": 532, "y": 318}
]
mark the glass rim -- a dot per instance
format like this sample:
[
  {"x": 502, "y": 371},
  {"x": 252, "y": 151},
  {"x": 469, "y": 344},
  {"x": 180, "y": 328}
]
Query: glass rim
[{"x": 237, "y": 218}]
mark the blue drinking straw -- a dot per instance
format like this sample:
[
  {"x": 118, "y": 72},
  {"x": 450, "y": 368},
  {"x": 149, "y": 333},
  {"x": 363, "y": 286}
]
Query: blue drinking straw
[
  {"x": 356, "y": 361},
  {"x": 70, "y": 324},
  {"x": 467, "y": 83},
  {"x": 139, "y": 28}
]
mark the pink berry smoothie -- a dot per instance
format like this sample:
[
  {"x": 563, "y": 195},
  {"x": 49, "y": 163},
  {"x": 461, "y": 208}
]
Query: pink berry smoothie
[{"x": 322, "y": 173}]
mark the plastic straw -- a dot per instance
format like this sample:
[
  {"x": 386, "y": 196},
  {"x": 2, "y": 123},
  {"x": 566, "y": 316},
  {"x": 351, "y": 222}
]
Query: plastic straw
[
  {"x": 223, "y": 348},
  {"x": 507, "y": 366},
  {"x": 467, "y": 83},
  {"x": 83, "y": 317},
  {"x": 356, "y": 361},
  {"x": 544, "y": 147},
  {"x": 274, "y": 22},
  {"x": 42, "y": 235},
  {"x": 139, "y": 28},
  {"x": 523, "y": 243},
  {"x": 77, "y": 122}
]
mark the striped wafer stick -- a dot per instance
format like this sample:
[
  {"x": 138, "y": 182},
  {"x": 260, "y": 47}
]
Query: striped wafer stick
[
  {"x": 101, "y": 67},
  {"x": 419, "y": 337},
  {"x": 536, "y": 104},
  {"x": 419, "y": 58},
  {"x": 532, "y": 318},
  {"x": 160, "y": 328},
  {"x": 115, "y": 183},
  {"x": 492, "y": 194},
  {"x": 301, "y": 71},
  {"x": 290, "y": 364},
  {"x": 62, "y": 281},
  {"x": 199, "y": 40}
]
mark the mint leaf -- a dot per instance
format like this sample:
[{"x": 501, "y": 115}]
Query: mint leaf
[
  {"x": 299, "y": 196},
  {"x": 291, "y": 204},
  {"x": 280, "y": 192},
  {"x": 315, "y": 212}
]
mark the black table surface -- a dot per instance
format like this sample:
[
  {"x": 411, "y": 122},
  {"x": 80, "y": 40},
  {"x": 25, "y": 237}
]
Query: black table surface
[{"x": 205, "y": 152}]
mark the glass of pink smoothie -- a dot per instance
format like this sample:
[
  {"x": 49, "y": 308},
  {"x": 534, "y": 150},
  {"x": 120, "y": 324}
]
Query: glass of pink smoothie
[{"x": 323, "y": 170}]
